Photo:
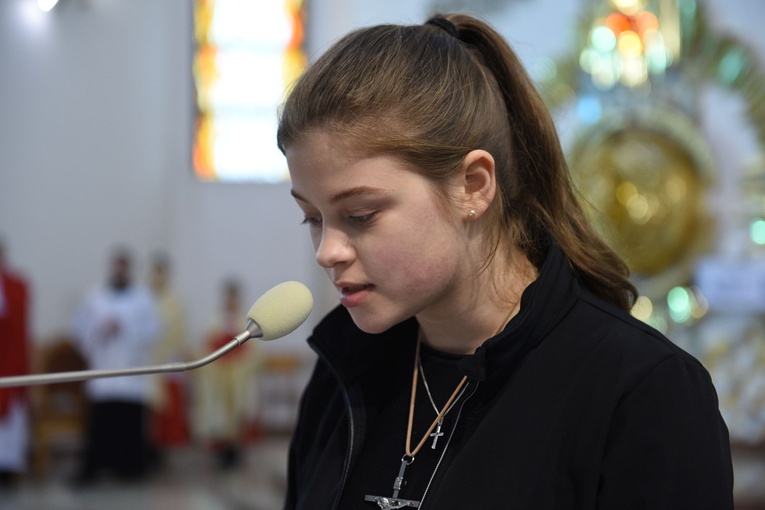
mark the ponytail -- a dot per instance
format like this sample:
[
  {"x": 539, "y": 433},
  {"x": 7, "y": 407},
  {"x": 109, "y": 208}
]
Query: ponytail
[{"x": 542, "y": 197}]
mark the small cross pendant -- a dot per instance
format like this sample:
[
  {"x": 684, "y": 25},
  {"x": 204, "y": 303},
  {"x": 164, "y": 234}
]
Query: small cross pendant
[{"x": 435, "y": 435}]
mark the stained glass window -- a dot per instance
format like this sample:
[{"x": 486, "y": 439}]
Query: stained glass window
[{"x": 247, "y": 53}]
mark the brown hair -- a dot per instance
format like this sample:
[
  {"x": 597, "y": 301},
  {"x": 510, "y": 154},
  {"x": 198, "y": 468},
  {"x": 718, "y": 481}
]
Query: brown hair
[{"x": 421, "y": 94}]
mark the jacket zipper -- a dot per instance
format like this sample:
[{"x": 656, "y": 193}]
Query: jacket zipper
[
  {"x": 448, "y": 442},
  {"x": 351, "y": 442},
  {"x": 351, "y": 428},
  {"x": 352, "y": 435}
]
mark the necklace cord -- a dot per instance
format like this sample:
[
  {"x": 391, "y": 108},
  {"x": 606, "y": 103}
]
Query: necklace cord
[
  {"x": 415, "y": 373},
  {"x": 430, "y": 396},
  {"x": 408, "y": 447}
]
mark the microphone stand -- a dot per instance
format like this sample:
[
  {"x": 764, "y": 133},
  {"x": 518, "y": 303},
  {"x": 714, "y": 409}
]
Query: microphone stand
[{"x": 251, "y": 331}]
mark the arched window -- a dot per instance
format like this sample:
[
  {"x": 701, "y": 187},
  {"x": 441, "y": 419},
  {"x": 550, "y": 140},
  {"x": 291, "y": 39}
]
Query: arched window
[{"x": 246, "y": 55}]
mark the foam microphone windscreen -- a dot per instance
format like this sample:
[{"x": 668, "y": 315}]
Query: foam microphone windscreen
[{"x": 282, "y": 309}]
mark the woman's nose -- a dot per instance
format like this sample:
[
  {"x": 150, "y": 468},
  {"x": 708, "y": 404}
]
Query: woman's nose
[{"x": 333, "y": 248}]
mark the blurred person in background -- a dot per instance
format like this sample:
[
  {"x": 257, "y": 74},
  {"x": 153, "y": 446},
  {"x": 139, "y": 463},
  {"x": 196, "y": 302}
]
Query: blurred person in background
[
  {"x": 116, "y": 327},
  {"x": 169, "y": 419},
  {"x": 14, "y": 360},
  {"x": 227, "y": 392}
]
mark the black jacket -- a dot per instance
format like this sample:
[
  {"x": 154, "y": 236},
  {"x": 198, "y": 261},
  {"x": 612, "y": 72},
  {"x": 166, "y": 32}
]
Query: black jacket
[{"x": 575, "y": 405}]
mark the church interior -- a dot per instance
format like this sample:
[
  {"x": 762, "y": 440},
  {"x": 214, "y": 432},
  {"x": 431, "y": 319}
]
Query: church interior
[{"x": 150, "y": 125}]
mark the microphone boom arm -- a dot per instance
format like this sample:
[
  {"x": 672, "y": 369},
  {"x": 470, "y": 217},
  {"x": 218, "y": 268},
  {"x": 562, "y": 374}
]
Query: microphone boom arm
[{"x": 252, "y": 330}]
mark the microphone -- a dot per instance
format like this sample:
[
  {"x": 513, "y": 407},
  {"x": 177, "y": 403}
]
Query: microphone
[{"x": 275, "y": 314}]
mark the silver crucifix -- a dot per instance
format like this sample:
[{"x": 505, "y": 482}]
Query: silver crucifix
[{"x": 394, "y": 501}]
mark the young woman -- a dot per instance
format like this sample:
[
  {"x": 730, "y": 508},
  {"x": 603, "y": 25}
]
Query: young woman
[{"x": 483, "y": 356}]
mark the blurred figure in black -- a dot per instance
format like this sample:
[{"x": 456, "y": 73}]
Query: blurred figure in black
[{"x": 117, "y": 326}]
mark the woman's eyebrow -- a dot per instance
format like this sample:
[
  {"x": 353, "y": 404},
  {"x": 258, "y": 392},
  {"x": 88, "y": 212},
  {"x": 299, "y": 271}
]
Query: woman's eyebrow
[{"x": 349, "y": 193}]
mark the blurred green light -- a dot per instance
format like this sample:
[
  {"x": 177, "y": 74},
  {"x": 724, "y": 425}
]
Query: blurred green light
[
  {"x": 757, "y": 231},
  {"x": 731, "y": 66},
  {"x": 659, "y": 59},
  {"x": 603, "y": 39},
  {"x": 678, "y": 298},
  {"x": 687, "y": 7},
  {"x": 679, "y": 302}
]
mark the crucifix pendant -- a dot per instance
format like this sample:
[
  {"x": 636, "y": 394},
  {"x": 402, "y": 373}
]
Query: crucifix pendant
[
  {"x": 394, "y": 502},
  {"x": 436, "y": 434}
]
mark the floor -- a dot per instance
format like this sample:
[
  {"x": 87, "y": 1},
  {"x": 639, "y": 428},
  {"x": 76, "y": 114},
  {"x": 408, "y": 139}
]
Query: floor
[
  {"x": 188, "y": 480},
  {"x": 749, "y": 477}
]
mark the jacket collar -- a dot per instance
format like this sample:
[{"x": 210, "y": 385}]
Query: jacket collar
[
  {"x": 351, "y": 352},
  {"x": 544, "y": 303}
]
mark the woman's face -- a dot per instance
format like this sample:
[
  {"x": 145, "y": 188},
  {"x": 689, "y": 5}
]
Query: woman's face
[{"x": 387, "y": 243}]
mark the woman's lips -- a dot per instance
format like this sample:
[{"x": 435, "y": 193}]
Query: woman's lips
[{"x": 354, "y": 295}]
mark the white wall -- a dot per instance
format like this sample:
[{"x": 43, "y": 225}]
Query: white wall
[
  {"x": 97, "y": 104},
  {"x": 85, "y": 123},
  {"x": 96, "y": 108},
  {"x": 97, "y": 101}
]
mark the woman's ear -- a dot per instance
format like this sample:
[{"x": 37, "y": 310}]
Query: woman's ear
[{"x": 479, "y": 181}]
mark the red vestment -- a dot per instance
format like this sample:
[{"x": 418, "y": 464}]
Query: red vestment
[{"x": 14, "y": 336}]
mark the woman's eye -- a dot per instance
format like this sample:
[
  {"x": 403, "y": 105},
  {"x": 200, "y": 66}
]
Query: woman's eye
[
  {"x": 313, "y": 221},
  {"x": 362, "y": 219}
]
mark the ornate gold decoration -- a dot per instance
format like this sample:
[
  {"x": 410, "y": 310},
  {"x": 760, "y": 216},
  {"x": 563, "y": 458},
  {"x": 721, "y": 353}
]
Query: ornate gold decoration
[
  {"x": 626, "y": 162},
  {"x": 646, "y": 173}
]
